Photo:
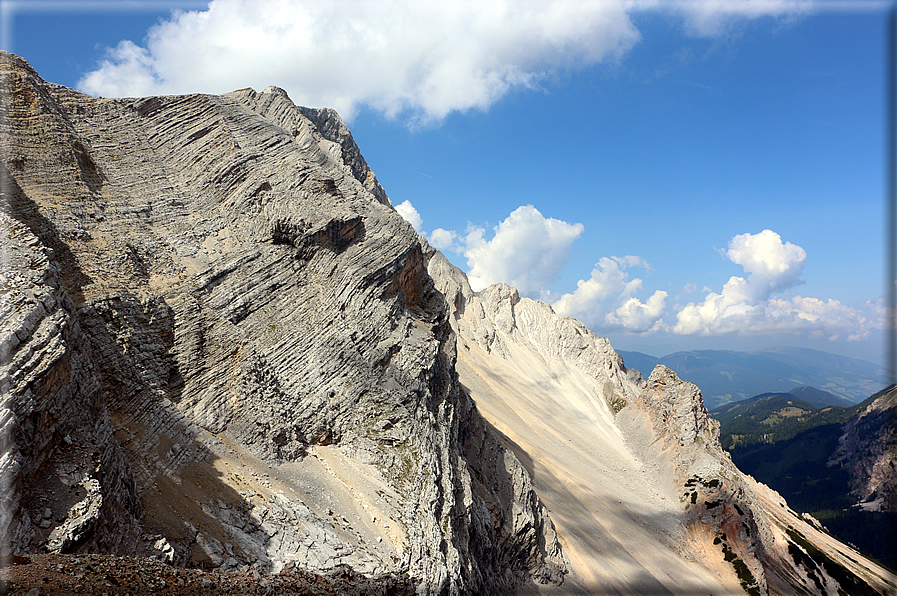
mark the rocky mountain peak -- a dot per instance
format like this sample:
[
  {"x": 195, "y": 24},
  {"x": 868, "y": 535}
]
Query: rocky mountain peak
[
  {"x": 223, "y": 349},
  {"x": 677, "y": 409}
]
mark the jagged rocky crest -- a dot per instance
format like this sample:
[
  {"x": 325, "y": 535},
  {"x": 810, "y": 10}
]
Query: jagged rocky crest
[{"x": 222, "y": 347}]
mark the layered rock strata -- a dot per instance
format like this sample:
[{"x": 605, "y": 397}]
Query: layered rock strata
[{"x": 222, "y": 347}]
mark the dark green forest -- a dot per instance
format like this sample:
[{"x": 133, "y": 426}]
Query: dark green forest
[{"x": 786, "y": 443}]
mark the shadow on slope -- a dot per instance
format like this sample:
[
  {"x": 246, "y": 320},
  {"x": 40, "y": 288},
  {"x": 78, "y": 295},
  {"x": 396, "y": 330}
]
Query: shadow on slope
[{"x": 589, "y": 523}]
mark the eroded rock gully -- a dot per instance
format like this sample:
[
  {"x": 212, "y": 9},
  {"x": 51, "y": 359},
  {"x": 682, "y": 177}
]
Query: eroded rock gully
[{"x": 223, "y": 349}]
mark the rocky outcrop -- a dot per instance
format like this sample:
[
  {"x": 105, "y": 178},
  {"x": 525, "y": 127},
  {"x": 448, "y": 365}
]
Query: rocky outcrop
[
  {"x": 718, "y": 501},
  {"x": 867, "y": 448},
  {"x": 65, "y": 482},
  {"x": 219, "y": 315}
]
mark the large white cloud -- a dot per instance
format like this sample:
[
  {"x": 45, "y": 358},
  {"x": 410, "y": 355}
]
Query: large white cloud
[
  {"x": 428, "y": 57},
  {"x": 773, "y": 265},
  {"x": 527, "y": 251},
  {"x": 419, "y": 58},
  {"x": 637, "y": 316},
  {"x": 749, "y": 305},
  {"x": 605, "y": 303}
]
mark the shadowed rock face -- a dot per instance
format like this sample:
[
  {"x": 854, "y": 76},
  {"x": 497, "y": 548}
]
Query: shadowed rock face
[
  {"x": 868, "y": 450},
  {"x": 210, "y": 303}
]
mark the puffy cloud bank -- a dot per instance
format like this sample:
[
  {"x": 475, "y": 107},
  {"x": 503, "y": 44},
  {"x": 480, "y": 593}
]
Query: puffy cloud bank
[
  {"x": 417, "y": 58},
  {"x": 424, "y": 57},
  {"x": 528, "y": 251},
  {"x": 749, "y": 305},
  {"x": 605, "y": 301}
]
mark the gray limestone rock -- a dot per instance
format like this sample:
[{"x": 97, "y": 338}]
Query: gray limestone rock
[
  {"x": 209, "y": 277},
  {"x": 221, "y": 347}
]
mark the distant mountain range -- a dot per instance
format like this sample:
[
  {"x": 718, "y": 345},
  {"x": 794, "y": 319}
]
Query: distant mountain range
[
  {"x": 774, "y": 417},
  {"x": 727, "y": 376}
]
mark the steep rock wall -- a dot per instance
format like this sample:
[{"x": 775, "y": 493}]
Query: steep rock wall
[
  {"x": 255, "y": 313},
  {"x": 867, "y": 448}
]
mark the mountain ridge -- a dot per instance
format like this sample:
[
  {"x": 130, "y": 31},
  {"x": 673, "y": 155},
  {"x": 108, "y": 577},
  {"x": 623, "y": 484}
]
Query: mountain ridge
[
  {"x": 224, "y": 349},
  {"x": 726, "y": 376}
]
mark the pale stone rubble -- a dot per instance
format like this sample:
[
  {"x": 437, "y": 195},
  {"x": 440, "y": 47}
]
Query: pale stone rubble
[
  {"x": 724, "y": 523},
  {"x": 221, "y": 347}
]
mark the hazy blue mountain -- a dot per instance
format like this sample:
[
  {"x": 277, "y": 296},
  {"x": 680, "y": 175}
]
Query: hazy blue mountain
[
  {"x": 640, "y": 362},
  {"x": 819, "y": 398},
  {"x": 726, "y": 376}
]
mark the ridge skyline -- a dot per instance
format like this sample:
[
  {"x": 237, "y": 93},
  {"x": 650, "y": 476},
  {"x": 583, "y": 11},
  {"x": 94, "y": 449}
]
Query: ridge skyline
[{"x": 727, "y": 126}]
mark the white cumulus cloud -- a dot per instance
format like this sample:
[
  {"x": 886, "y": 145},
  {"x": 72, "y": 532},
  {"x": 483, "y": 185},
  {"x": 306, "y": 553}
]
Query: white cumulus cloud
[
  {"x": 773, "y": 265},
  {"x": 421, "y": 59},
  {"x": 604, "y": 302},
  {"x": 407, "y": 210},
  {"x": 425, "y": 57},
  {"x": 634, "y": 315},
  {"x": 527, "y": 251},
  {"x": 446, "y": 240},
  {"x": 749, "y": 305}
]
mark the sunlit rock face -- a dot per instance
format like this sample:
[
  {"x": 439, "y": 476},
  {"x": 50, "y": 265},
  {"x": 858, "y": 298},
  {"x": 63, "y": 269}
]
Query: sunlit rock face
[
  {"x": 642, "y": 495},
  {"x": 222, "y": 347}
]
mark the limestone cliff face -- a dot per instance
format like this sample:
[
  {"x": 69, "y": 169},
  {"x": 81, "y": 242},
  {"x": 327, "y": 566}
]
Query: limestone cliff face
[{"x": 222, "y": 345}]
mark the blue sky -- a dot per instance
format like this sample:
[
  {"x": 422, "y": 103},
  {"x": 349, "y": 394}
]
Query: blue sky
[{"x": 679, "y": 175}]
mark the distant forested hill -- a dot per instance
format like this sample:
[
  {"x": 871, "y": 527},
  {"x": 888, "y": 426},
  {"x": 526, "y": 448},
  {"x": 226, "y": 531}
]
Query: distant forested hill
[
  {"x": 835, "y": 463},
  {"x": 727, "y": 376}
]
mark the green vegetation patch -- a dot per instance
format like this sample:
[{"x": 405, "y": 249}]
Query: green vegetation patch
[
  {"x": 745, "y": 577},
  {"x": 807, "y": 563}
]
